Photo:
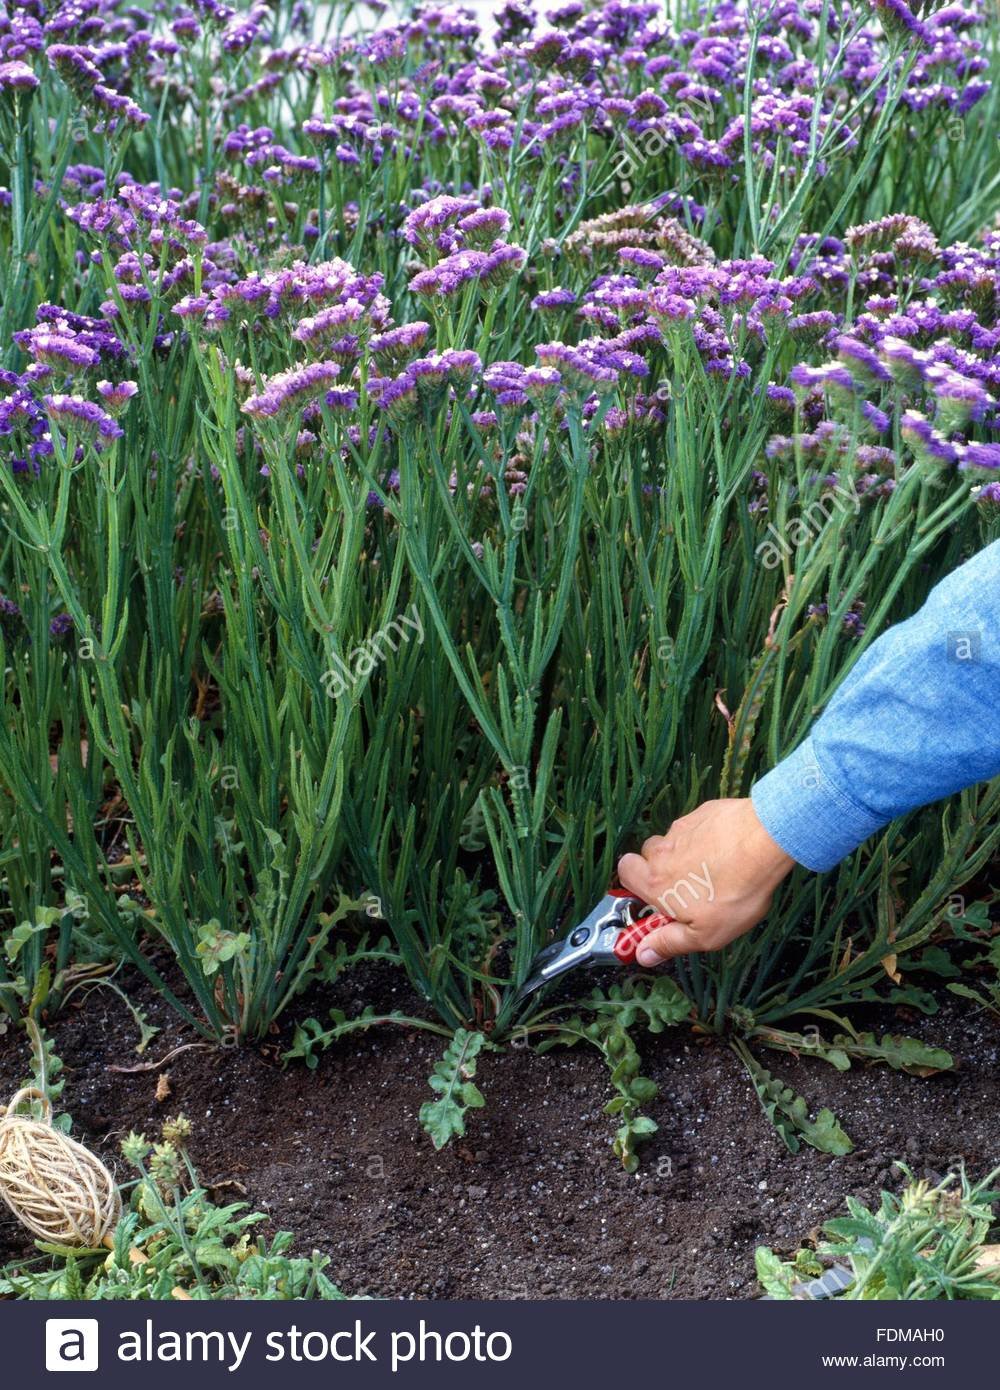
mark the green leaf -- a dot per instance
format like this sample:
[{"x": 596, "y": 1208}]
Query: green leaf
[
  {"x": 330, "y": 965},
  {"x": 967, "y": 992},
  {"x": 789, "y": 1113},
  {"x": 16, "y": 939},
  {"x": 899, "y": 1052},
  {"x": 451, "y": 1079},
  {"x": 311, "y": 1038},
  {"x": 774, "y": 1276},
  {"x": 656, "y": 1002}
]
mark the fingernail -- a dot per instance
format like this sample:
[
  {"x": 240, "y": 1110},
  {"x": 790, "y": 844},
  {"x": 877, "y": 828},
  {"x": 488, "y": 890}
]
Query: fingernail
[{"x": 645, "y": 955}]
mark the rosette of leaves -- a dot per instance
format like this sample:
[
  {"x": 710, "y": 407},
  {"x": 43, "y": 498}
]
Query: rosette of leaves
[
  {"x": 455, "y": 1092},
  {"x": 652, "y": 1003},
  {"x": 173, "y": 1240},
  {"x": 929, "y": 1242}
]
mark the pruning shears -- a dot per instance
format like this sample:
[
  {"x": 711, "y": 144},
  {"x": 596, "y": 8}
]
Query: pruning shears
[{"x": 608, "y": 935}]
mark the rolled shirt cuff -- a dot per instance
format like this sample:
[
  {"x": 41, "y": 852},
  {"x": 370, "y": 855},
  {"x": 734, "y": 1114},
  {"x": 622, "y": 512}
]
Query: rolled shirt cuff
[{"x": 807, "y": 814}]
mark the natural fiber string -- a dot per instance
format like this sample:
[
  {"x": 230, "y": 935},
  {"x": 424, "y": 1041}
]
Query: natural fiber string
[{"x": 54, "y": 1186}]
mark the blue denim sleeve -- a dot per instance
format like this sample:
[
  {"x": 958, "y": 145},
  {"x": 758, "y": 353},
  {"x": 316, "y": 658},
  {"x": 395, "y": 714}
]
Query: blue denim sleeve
[{"x": 915, "y": 720}]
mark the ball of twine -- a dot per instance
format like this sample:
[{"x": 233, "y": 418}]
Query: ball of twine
[{"x": 52, "y": 1184}]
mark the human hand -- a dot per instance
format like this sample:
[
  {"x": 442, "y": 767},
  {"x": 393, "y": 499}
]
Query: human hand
[{"x": 714, "y": 871}]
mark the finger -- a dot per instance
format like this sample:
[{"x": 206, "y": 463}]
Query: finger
[
  {"x": 636, "y": 874},
  {"x": 672, "y": 939},
  {"x": 647, "y": 882},
  {"x": 653, "y": 844}
]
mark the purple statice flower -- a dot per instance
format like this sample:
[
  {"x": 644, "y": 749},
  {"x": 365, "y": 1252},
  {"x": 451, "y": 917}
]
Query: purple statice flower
[
  {"x": 781, "y": 397},
  {"x": 927, "y": 443},
  {"x": 281, "y": 296},
  {"x": 425, "y": 380},
  {"x": 431, "y": 374},
  {"x": 84, "y": 180},
  {"x": 397, "y": 345},
  {"x": 116, "y": 396},
  {"x": 668, "y": 307},
  {"x": 16, "y": 76},
  {"x": 242, "y": 31},
  {"x": 11, "y": 618},
  {"x": 244, "y": 141},
  {"x": 906, "y": 363},
  {"x": 553, "y": 299},
  {"x": 506, "y": 381},
  {"x": 62, "y": 351},
  {"x": 882, "y": 306},
  {"x": 642, "y": 258},
  {"x": 579, "y": 370},
  {"x": 75, "y": 65},
  {"x": 958, "y": 398},
  {"x": 972, "y": 93},
  {"x": 424, "y": 224},
  {"x": 466, "y": 267},
  {"x": 541, "y": 385},
  {"x": 976, "y": 455},
  {"x": 616, "y": 420},
  {"x": 726, "y": 367},
  {"x": 81, "y": 417},
  {"x": 329, "y": 330},
  {"x": 853, "y": 622},
  {"x": 186, "y": 28},
  {"x": 882, "y": 234},
  {"x": 116, "y": 109},
  {"x": 484, "y": 227},
  {"x": 342, "y": 399},
  {"x": 60, "y": 625},
  {"x": 396, "y": 396},
  {"x": 987, "y": 496},
  {"x": 878, "y": 457},
  {"x": 292, "y": 390},
  {"x": 24, "y": 427},
  {"x": 194, "y": 306},
  {"x": 861, "y": 361},
  {"x": 707, "y": 156},
  {"x": 277, "y": 165},
  {"x": 876, "y": 419},
  {"x": 549, "y": 131},
  {"x": 899, "y": 20},
  {"x": 462, "y": 364},
  {"x": 390, "y": 483},
  {"x": 780, "y": 447},
  {"x": 830, "y": 376}
]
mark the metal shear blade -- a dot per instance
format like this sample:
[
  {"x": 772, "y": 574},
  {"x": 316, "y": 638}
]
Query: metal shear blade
[{"x": 591, "y": 942}]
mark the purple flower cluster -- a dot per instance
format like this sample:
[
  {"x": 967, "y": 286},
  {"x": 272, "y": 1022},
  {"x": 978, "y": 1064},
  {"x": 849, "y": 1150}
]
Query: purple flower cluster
[
  {"x": 426, "y": 381},
  {"x": 292, "y": 390},
  {"x": 922, "y": 347},
  {"x": 487, "y": 269},
  {"x": 884, "y": 335},
  {"x": 82, "y": 419},
  {"x": 25, "y": 439},
  {"x": 281, "y": 301},
  {"x": 450, "y": 233},
  {"x": 16, "y": 77}
]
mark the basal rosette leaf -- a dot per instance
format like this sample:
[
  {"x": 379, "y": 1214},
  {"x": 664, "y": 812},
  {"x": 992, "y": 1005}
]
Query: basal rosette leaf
[
  {"x": 451, "y": 1080},
  {"x": 789, "y": 1112}
]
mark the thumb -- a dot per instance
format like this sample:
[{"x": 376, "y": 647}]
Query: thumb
[{"x": 672, "y": 939}]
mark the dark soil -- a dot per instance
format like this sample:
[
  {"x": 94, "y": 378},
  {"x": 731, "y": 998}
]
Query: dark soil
[{"x": 532, "y": 1204}]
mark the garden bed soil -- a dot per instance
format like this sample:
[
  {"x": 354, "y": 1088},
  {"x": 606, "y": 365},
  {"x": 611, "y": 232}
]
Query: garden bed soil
[{"x": 532, "y": 1204}]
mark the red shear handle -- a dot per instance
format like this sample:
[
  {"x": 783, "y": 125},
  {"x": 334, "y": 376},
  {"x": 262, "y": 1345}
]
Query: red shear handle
[{"x": 629, "y": 937}]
